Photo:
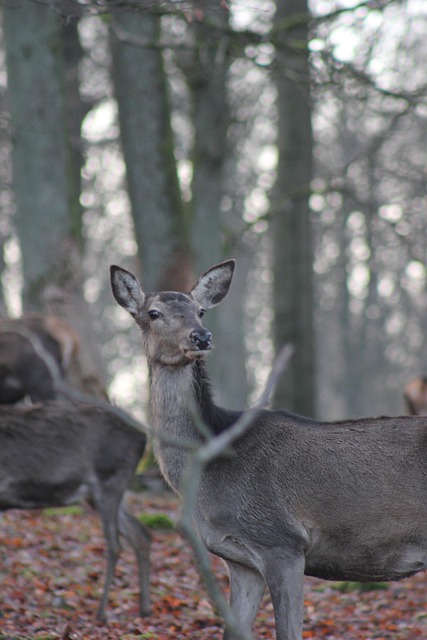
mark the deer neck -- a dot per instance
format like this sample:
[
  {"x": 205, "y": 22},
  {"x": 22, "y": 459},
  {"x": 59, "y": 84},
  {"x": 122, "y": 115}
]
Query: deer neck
[
  {"x": 177, "y": 395},
  {"x": 171, "y": 394},
  {"x": 173, "y": 404}
]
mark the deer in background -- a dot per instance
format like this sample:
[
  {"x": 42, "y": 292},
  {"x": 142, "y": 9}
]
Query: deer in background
[
  {"x": 415, "y": 394},
  {"x": 54, "y": 454},
  {"x": 340, "y": 500},
  {"x": 35, "y": 351}
]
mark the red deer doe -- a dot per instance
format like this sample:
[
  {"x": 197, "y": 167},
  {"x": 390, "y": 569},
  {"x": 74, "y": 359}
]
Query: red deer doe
[
  {"x": 415, "y": 394},
  {"x": 341, "y": 501},
  {"x": 35, "y": 350},
  {"x": 54, "y": 454}
]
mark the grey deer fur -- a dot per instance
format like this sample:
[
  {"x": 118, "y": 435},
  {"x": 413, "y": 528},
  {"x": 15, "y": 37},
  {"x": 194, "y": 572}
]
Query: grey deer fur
[
  {"x": 35, "y": 352},
  {"x": 54, "y": 454},
  {"x": 342, "y": 500}
]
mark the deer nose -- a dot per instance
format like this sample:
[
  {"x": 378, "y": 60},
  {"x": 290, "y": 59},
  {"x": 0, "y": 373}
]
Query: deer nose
[{"x": 202, "y": 339}]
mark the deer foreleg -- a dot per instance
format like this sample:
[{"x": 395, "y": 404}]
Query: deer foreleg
[
  {"x": 285, "y": 580},
  {"x": 246, "y": 590}
]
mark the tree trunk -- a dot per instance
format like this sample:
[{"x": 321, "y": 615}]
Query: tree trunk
[
  {"x": 207, "y": 78},
  {"x": 40, "y": 161},
  {"x": 47, "y": 209},
  {"x": 146, "y": 134},
  {"x": 291, "y": 229},
  {"x": 207, "y": 73},
  {"x": 76, "y": 110}
]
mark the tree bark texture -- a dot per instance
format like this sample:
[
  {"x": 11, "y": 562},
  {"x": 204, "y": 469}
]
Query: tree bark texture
[
  {"x": 291, "y": 229},
  {"x": 40, "y": 161},
  {"x": 146, "y": 134},
  {"x": 207, "y": 73}
]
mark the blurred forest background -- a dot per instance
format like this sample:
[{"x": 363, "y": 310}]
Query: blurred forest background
[{"x": 167, "y": 136}]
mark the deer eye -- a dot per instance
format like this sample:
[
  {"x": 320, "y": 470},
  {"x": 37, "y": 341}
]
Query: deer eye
[
  {"x": 201, "y": 313},
  {"x": 154, "y": 314}
]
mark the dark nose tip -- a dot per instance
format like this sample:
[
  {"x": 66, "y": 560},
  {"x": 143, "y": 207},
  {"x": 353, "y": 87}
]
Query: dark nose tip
[{"x": 202, "y": 339}]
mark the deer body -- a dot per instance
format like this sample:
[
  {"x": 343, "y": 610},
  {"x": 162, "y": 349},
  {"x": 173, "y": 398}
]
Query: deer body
[
  {"x": 342, "y": 501},
  {"x": 23, "y": 369},
  {"x": 54, "y": 454}
]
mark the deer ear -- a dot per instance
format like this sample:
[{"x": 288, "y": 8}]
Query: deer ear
[
  {"x": 126, "y": 290},
  {"x": 213, "y": 285}
]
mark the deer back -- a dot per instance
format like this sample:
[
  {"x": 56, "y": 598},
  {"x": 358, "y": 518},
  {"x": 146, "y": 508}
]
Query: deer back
[{"x": 54, "y": 454}]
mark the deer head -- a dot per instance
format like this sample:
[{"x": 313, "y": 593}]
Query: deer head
[{"x": 170, "y": 321}]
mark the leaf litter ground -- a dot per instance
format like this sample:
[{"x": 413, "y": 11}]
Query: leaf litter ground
[{"x": 51, "y": 569}]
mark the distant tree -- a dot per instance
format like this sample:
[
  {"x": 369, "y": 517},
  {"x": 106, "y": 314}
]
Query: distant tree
[
  {"x": 207, "y": 69},
  {"x": 148, "y": 147},
  {"x": 370, "y": 227},
  {"x": 76, "y": 110},
  {"x": 290, "y": 225}
]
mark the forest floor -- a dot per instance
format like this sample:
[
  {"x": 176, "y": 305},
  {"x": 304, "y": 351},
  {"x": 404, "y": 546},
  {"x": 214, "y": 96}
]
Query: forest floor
[{"x": 51, "y": 567}]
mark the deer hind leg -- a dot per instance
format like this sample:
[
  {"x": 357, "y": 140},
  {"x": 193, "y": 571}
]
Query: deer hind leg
[
  {"x": 246, "y": 590},
  {"x": 139, "y": 538},
  {"x": 108, "y": 509},
  {"x": 285, "y": 581}
]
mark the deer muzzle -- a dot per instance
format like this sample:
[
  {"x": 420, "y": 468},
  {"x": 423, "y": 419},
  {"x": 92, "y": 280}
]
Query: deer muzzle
[{"x": 201, "y": 339}]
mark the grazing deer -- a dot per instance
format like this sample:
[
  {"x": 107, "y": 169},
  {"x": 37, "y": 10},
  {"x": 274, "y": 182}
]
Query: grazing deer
[
  {"x": 340, "y": 500},
  {"x": 35, "y": 350},
  {"x": 54, "y": 454},
  {"x": 415, "y": 394}
]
